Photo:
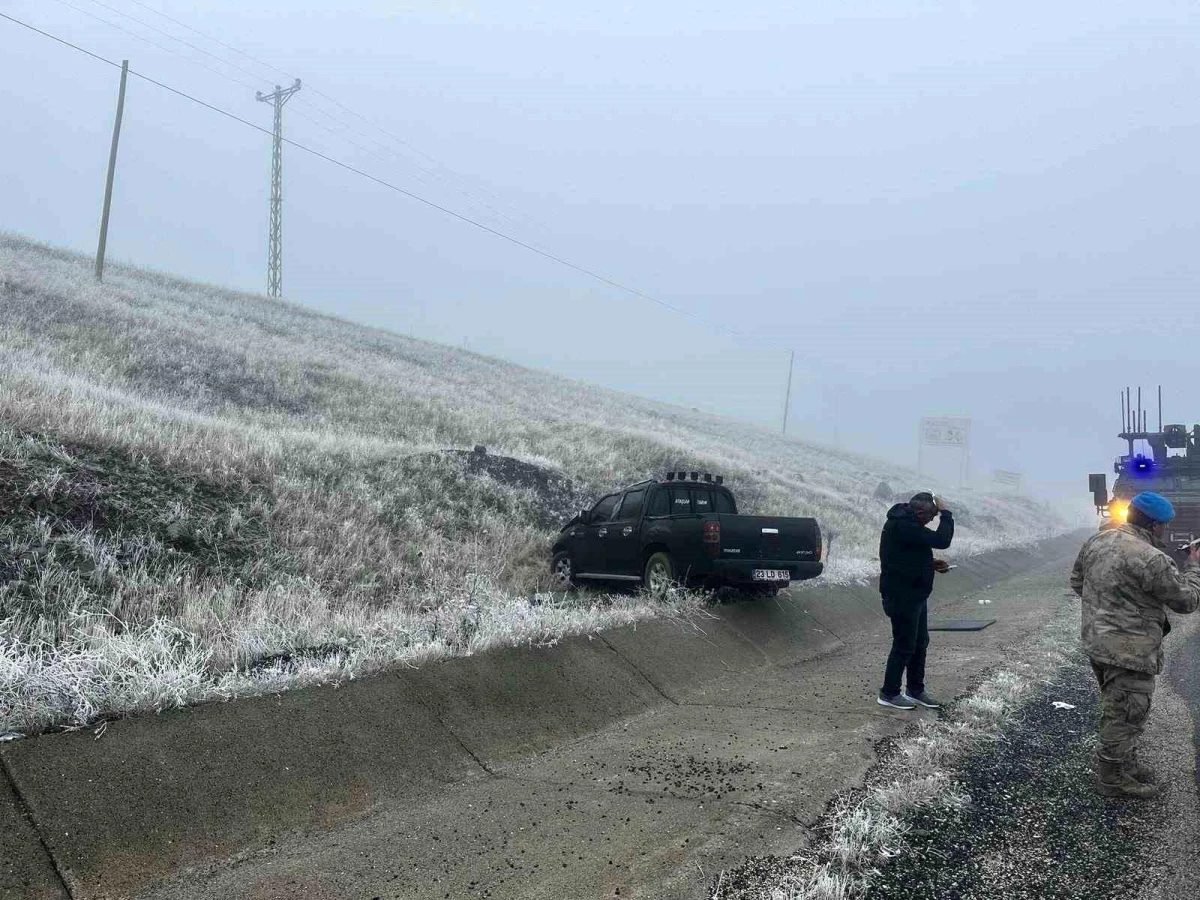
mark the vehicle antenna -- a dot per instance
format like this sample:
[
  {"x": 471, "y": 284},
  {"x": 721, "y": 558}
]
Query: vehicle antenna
[{"x": 1129, "y": 419}]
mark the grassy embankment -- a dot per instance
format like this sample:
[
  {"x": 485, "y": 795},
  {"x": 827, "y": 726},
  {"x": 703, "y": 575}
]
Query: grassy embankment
[{"x": 207, "y": 494}]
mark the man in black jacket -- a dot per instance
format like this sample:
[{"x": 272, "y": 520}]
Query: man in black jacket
[{"x": 907, "y": 567}]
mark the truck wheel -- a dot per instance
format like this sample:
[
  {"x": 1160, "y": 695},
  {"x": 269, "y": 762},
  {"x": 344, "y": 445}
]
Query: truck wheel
[
  {"x": 659, "y": 573},
  {"x": 562, "y": 571}
]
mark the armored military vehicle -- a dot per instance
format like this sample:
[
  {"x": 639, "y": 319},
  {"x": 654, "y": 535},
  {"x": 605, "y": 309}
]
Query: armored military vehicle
[{"x": 1166, "y": 461}]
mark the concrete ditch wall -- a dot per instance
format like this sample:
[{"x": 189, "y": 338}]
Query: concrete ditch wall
[{"x": 159, "y": 794}]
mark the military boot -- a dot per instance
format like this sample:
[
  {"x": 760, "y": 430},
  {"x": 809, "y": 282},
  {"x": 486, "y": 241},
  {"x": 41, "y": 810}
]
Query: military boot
[
  {"x": 1113, "y": 779},
  {"x": 1139, "y": 770}
]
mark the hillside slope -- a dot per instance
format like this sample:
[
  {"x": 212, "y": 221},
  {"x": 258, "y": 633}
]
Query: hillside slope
[{"x": 208, "y": 493}]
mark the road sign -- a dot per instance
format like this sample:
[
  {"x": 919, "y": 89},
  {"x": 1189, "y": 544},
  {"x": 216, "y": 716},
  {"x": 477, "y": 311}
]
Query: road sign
[
  {"x": 945, "y": 431},
  {"x": 1009, "y": 479}
]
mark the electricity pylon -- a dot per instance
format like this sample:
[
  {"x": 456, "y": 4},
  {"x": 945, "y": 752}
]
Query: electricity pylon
[{"x": 278, "y": 97}]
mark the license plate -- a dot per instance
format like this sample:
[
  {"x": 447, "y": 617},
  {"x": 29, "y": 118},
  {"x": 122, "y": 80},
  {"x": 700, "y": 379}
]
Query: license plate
[{"x": 771, "y": 575}]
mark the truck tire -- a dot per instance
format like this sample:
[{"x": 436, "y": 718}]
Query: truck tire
[
  {"x": 658, "y": 573},
  {"x": 562, "y": 572}
]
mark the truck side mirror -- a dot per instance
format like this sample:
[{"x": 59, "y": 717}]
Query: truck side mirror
[
  {"x": 1098, "y": 485},
  {"x": 585, "y": 516}
]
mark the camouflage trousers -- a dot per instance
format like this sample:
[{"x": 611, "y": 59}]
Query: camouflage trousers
[{"x": 1124, "y": 706}]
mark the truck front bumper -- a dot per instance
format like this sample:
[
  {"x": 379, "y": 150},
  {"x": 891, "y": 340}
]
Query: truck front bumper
[{"x": 741, "y": 571}]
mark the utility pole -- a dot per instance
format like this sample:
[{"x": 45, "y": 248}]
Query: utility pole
[
  {"x": 836, "y": 417},
  {"x": 787, "y": 400},
  {"x": 278, "y": 97},
  {"x": 102, "y": 248}
]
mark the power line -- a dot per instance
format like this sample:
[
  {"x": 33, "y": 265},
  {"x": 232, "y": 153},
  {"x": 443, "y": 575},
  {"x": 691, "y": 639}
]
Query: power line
[
  {"x": 604, "y": 279},
  {"x": 518, "y": 219},
  {"x": 340, "y": 136},
  {"x": 483, "y": 205},
  {"x": 474, "y": 201},
  {"x": 394, "y": 137},
  {"x": 167, "y": 34},
  {"x": 157, "y": 45},
  {"x": 209, "y": 37}
]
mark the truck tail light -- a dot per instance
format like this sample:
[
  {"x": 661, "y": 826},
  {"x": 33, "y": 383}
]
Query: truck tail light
[{"x": 712, "y": 536}]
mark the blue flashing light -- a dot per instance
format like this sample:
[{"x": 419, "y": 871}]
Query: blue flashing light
[{"x": 1142, "y": 466}]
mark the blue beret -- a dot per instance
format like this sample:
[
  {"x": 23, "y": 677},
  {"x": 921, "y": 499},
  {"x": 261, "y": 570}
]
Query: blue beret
[{"x": 1156, "y": 506}]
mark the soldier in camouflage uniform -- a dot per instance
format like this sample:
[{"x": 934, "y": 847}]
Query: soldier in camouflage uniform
[{"x": 1127, "y": 582}]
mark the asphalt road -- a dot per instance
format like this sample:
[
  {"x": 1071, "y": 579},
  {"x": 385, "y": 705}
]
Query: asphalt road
[{"x": 1183, "y": 675}]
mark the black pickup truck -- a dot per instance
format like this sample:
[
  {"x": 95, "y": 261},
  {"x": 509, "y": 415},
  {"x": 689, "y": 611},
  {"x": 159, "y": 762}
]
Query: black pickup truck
[{"x": 681, "y": 531}]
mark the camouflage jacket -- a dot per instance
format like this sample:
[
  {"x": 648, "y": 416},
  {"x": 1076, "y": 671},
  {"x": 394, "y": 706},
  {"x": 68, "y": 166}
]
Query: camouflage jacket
[{"x": 1127, "y": 584}]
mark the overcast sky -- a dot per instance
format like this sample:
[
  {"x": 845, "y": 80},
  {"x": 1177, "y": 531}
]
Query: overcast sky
[{"x": 986, "y": 209}]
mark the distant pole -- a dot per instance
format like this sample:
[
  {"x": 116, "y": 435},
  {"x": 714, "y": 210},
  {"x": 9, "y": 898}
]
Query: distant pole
[
  {"x": 278, "y": 97},
  {"x": 787, "y": 397},
  {"x": 112, "y": 171},
  {"x": 966, "y": 460},
  {"x": 920, "y": 449},
  {"x": 836, "y": 418}
]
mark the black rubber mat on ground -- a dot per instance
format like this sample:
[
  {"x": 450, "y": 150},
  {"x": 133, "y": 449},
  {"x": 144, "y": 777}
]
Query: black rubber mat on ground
[{"x": 961, "y": 625}]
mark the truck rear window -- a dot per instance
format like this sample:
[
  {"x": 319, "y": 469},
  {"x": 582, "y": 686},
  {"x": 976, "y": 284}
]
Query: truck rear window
[
  {"x": 725, "y": 503},
  {"x": 681, "y": 501},
  {"x": 701, "y": 501}
]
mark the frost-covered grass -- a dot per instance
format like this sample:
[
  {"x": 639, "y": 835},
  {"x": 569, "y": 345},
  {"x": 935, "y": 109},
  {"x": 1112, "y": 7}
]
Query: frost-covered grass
[
  {"x": 863, "y": 830},
  {"x": 208, "y": 493}
]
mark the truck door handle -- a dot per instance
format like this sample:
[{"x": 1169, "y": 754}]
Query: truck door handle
[
  {"x": 602, "y": 532},
  {"x": 627, "y": 530}
]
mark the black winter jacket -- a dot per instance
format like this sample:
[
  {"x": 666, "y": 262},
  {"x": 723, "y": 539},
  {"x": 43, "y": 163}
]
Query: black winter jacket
[{"x": 906, "y": 554}]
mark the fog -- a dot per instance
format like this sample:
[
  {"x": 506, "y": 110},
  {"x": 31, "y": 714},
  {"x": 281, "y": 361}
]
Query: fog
[{"x": 974, "y": 209}]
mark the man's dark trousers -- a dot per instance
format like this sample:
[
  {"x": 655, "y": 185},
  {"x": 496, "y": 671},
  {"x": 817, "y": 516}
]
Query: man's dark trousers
[{"x": 910, "y": 639}]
